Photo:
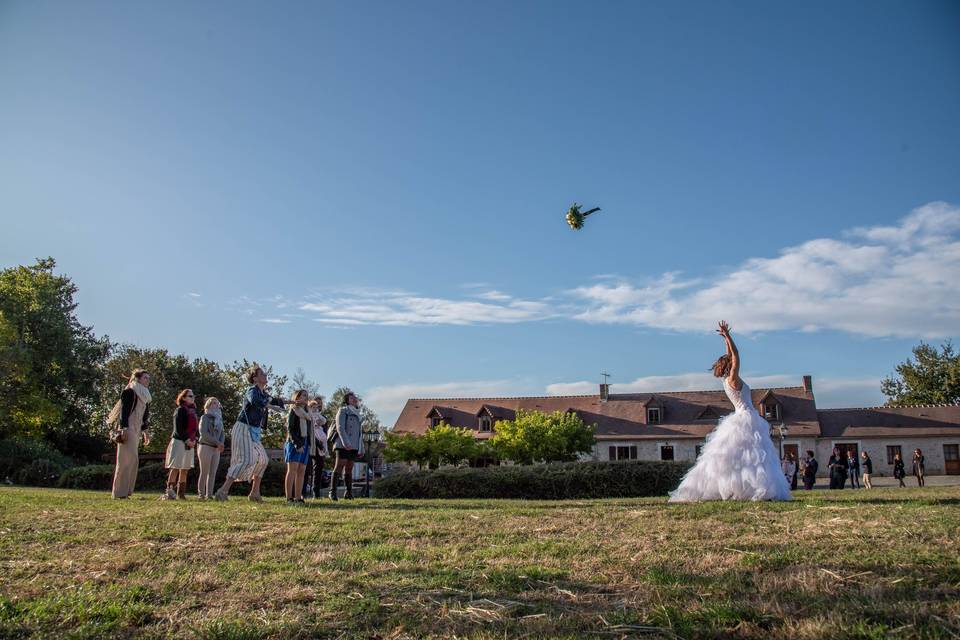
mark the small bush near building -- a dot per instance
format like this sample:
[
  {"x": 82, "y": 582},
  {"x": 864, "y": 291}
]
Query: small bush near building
[{"x": 559, "y": 481}]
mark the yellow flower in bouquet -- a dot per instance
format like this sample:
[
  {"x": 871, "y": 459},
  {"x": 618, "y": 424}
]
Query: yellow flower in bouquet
[{"x": 575, "y": 217}]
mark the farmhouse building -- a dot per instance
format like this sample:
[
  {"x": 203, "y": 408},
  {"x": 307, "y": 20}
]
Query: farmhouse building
[{"x": 672, "y": 425}]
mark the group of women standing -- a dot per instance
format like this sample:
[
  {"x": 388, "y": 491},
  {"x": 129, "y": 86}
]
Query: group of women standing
[{"x": 203, "y": 438}]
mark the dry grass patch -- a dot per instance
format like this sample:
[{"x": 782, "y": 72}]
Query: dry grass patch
[{"x": 877, "y": 564}]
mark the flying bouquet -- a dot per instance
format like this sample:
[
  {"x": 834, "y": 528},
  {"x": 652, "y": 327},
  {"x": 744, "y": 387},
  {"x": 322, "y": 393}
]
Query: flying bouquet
[{"x": 575, "y": 217}]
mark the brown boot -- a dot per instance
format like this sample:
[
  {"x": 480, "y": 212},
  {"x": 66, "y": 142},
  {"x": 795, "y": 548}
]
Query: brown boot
[{"x": 182, "y": 491}]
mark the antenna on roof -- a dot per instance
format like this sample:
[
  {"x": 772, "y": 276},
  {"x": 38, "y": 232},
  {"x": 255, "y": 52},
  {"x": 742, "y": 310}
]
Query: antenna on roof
[{"x": 605, "y": 386}]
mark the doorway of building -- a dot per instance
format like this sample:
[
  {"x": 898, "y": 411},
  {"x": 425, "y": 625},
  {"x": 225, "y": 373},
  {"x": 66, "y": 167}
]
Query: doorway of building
[
  {"x": 951, "y": 459},
  {"x": 848, "y": 446},
  {"x": 793, "y": 449}
]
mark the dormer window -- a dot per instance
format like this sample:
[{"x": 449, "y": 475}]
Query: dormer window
[
  {"x": 771, "y": 411},
  {"x": 435, "y": 417},
  {"x": 653, "y": 415},
  {"x": 770, "y": 407},
  {"x": 486, "y": 423}
]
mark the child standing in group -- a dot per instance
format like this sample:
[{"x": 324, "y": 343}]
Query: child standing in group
[
  {"x": 296, "y": 452},
  {"x": 179, "y": 459},
  {"x": 318, "y": 448}
]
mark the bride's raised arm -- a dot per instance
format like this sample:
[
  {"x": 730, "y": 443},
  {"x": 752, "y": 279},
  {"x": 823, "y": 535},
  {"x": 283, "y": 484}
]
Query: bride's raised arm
[{"x": 734, "y": 377}]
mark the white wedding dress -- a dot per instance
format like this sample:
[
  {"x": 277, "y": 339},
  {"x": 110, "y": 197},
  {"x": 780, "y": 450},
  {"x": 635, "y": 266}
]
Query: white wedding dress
[{"x": 738, "y": 460}]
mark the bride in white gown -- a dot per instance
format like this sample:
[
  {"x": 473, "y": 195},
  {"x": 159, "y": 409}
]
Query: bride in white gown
[{"x": 738, "y": 460}]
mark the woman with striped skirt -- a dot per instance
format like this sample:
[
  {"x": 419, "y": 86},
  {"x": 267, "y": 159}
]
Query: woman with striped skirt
[{"x": 248, "y": 458}]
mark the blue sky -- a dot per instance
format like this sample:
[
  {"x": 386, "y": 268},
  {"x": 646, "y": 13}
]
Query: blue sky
[{"x": 375, "y": 191}]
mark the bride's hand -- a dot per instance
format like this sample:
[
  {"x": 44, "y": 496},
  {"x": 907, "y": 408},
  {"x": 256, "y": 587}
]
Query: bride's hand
[{"x": 724, "y": 329}]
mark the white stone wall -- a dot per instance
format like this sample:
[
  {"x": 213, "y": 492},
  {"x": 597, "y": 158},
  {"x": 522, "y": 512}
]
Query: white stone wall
[
  {"x": 932, "y": 449},
  {"x": 685, "y": 450}
]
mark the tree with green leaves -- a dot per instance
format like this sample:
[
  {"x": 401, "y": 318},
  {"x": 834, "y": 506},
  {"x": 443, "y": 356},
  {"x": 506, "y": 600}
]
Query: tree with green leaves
[
  {"x": 535, "y": 436},
  {"x": 931, "y": 377},
  {"x": 51, "y": 362},
  {"x": 440, "y": 445}
]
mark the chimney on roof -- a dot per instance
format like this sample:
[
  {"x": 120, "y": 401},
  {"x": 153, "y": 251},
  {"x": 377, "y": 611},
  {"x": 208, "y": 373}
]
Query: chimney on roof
[
  {"x": 808, "y": 384},
  {"x": 604, "y": 392}
]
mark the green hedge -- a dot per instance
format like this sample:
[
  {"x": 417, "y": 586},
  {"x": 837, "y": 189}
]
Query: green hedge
[
  {"x": 31, "y": 462},
  {"x": 93, "y": 476},
  {"x": 153, "y": 478},
  {"x": 568, "y": 480}
]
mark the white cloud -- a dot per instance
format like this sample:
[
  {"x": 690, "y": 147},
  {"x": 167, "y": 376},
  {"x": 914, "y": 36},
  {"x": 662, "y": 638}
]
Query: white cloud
[
  {"x": 901, "y": 280},
  {"x": 193, "y": 294},
  {"x": 396, "y": 308},
  {"x": 274, "y": 320},
  {"x": 388, "y": 401}
]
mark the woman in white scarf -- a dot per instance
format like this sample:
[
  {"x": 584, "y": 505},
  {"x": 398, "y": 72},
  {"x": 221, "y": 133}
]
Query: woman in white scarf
[
  {"x": 296, "y": 451},
  {"x": 318, "y": 447},
  {"x": 132, "y": 414}
]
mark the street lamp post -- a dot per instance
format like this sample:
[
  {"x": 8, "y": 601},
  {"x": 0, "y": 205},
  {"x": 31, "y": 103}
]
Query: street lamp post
[
  {"x": 370, "y": 450},
  {"x": 782, "y": 428}
]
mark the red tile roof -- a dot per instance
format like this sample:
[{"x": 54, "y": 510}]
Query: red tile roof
[
  {"x": 885, "y": 422},
  {"x": 623, "y": 416}
]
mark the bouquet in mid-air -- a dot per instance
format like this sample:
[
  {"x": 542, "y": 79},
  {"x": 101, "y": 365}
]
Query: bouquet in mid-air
[{"x": 575, "y": 217}]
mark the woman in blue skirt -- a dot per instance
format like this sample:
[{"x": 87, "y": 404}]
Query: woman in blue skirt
[{"x": 296, "y": 452}]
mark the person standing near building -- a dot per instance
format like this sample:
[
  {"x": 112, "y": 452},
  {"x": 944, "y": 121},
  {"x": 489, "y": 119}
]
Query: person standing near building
[
  {"x": 867, "y": 465},
  {"x": 248, "y": 458},
  {"x": 899, "y": 472},
  {"x": 346, "y": 437},
  {"x": 132, "y": 414},
  {"x": 789, "y": 468},
  {"x": 838, "y": 469},
  {"x": 853, "y": 470},
  {"x": 810, "y": 467},
  {"x": 918, "y": 467},
  {"x": 209, "y": 447},
  {"x": 796, "y": 472}
]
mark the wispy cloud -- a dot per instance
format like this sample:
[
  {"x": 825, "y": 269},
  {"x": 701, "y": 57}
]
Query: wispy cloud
[
  {"x": 274, "y": 320},
  {"x": 901, "y": 280},
  {"x": 401, "y": 308}
]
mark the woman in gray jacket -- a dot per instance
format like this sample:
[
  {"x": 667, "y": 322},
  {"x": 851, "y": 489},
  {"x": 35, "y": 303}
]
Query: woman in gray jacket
[
  {"x": 346, "y": 438},
  {"x": 210, "y": 447}
]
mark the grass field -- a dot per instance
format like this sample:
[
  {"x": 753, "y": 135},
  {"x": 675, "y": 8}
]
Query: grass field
[{"x": 863, "y": 564}]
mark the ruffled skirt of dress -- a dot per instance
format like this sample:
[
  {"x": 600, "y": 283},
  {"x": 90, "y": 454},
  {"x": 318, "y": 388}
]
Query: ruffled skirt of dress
[{"x": 738, "y": 462}]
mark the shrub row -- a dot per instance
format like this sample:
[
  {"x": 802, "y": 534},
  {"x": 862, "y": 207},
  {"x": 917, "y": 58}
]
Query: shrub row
[
  {"x": 31, "y": 462},
  {"x": 568, "y": 480},
  {"x": 153, "y": 478}
]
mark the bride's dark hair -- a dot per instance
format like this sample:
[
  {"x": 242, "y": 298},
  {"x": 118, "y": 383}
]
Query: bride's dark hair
[{"x": 721, "y": 368}]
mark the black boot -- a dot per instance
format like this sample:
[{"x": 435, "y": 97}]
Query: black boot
[
  {"x": 348, "y": 484},
  {"x": 333, "y": 487}
]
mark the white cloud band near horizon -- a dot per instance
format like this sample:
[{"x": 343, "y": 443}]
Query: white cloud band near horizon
[{"x": 901, "y": 281}]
